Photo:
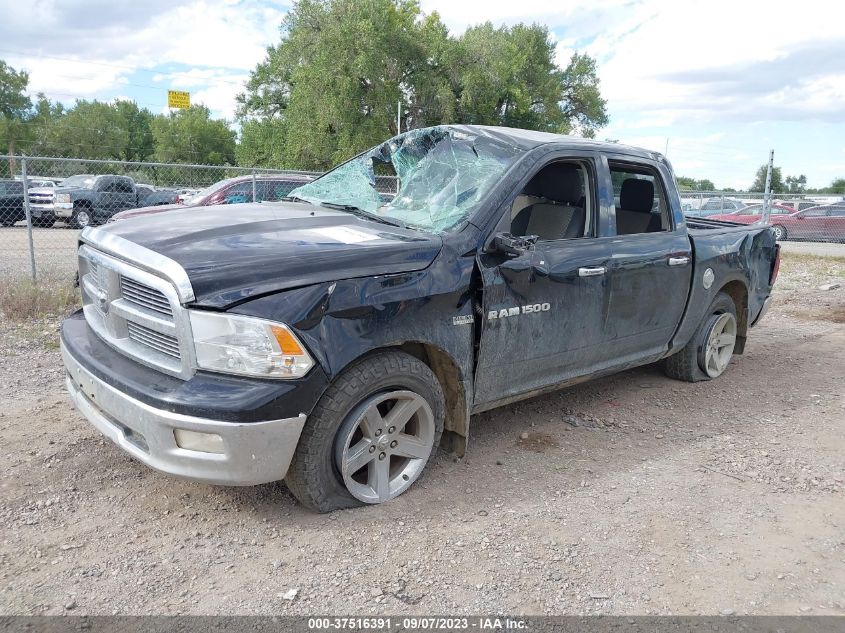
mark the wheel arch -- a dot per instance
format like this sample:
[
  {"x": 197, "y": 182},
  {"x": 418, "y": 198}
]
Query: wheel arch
[
  {"x": 738, "y": 292},
  {"x": 456, "y": 390}
]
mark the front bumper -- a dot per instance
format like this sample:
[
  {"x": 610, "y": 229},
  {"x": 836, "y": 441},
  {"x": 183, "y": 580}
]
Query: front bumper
[
  {"x": 63, "y": 209},
  {"x": 253, "y": 453}
]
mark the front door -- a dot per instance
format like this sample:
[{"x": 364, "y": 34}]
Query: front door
[
  {"x": 544, "y": 307},
  {"x": 543, "y": 316}
]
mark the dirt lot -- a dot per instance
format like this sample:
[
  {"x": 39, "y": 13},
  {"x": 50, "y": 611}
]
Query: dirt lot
[{"x": 634, "y": 494}]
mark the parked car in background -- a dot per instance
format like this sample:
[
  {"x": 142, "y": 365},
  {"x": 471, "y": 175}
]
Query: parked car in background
[
  {"x": 40, "y": 194},
  {"x": 184, "y": 194},
  {"x": 752, "y": 213},
  {"x": 821, "y": 224},
  {"x": 11, "y": 202},
  {"x": 269, "y": 188},
  {"x": 150, "y": 196},
  {"x": 714, "y": 206},
  {"x": 87, "y": 199}
]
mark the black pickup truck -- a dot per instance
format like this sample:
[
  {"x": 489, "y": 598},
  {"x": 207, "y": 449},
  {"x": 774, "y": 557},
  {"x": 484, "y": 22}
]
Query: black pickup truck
[{"x": 333, "y": 339}]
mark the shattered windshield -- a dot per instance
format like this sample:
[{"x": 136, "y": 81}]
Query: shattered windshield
[{"x": 431, "y": 179}]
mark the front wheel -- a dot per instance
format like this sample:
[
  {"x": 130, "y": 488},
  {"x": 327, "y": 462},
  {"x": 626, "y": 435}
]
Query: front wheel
[
  {"x": 709, "y": 351},
  {"x": 371, "y": 435},
  {"x": 81, "y": 217}
]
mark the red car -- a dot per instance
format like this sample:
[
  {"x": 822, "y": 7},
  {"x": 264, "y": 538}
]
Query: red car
[
  {"x": 820, "y": 224},
  {"x": 268, "y": 188},
  {"x": 752, "y": 214}
]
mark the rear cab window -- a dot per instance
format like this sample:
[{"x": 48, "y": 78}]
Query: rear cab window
[{"x": 640, "y": 200}]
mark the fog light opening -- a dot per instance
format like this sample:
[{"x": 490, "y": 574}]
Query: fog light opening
[{"x": 196, "y": 441}]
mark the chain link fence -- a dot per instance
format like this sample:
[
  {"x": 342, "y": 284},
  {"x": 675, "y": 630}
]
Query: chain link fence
[
  {"x": 48, "y": 200},
  {"x": 794, "y": 217}
]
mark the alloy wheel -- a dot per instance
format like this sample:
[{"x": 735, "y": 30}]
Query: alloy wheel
[{"x": 384, "y": 445}]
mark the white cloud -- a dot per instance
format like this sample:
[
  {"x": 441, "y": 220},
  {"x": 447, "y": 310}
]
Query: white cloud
[{"x": 89, "y": 50}]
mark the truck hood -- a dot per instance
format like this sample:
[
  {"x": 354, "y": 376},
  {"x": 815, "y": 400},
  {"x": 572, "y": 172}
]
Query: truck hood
[
  {"x": 232, "y": 253},
  {"x": 131, "y": 213},
  {"x": 72, "y": 190}
]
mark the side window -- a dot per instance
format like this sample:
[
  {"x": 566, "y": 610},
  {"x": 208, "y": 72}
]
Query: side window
[
  {"x": 104, "y": 185},
  {"x": 556, "y": 204},
  {"x": 838, "y": 212},
  {"x": 640, "y": 200},
  {"x": 238, "y": 193},
  {"x": 123, "y": 186},
  {"x": 815, "y": 213},
  {"x": 274, "y": 190}
]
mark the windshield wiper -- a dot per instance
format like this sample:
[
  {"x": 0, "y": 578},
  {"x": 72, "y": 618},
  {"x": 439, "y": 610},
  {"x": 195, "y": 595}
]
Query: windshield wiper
[
  {"x": 295, "y": 199},
  {"x": 357, "y": 211}
]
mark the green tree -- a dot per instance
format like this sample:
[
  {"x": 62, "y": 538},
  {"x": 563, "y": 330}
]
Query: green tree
[
  {"x": 262, "y": 143},
  {"x": 778, "y": 185},
  {"x": 796, "y": 184},
  {"x": 837, "y": 186},
  {"x": 192, "y": 136},
  {"x": 140, "y": 144},
  {"x": 40, "y": 139},
  {"x": 333, "y": 82},
  {"x": 685, "y": 183},
  {"x": 92, "y": 129},
  {"x": 14, "y": 108}
]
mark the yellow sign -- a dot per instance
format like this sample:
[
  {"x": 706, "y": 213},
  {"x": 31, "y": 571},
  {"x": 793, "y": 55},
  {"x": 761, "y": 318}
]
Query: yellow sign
[{"x": 178, "y": 99}]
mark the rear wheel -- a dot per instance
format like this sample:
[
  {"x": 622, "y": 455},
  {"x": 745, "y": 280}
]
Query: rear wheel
[
  {"x": 709, "y": 351},
  {"x": 371, "y": 435},
  {"x": 779, "y": 231}
]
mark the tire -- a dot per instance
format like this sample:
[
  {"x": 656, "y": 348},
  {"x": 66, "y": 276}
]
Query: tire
[
  {"x": 319, "y": 475},
  {"x": 691, "y": 363},
  {"x": 81, "y": 217},
  {"x": 780, "y": 232}
]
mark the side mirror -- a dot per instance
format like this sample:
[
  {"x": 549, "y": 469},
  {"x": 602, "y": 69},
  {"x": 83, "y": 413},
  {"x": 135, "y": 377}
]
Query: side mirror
[{"x": 512, "y": 245}]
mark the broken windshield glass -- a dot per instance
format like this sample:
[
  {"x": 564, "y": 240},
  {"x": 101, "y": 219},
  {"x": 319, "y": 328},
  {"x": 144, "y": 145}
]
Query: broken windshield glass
[{"x": 441, "y": 176}]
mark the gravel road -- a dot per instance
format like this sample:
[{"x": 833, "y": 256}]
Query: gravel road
[{"x": 633, "y": 494}]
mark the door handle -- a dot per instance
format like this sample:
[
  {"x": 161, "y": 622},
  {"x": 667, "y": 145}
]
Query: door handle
[
  {"x": 678, "y": 261},
  {"x": 592, "y": 271}
]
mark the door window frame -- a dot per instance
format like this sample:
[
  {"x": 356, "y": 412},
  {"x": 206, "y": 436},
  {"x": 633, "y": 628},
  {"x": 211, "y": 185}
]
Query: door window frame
[
  {"x": 652, "y": 170},
  {"x": 589, "y": 160}
]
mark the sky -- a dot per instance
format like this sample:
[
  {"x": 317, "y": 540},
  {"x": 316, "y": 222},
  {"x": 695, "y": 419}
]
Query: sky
[{"x": 714, "y": 84}]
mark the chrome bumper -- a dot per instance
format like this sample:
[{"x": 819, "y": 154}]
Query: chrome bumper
[
  {"x": 253, "y": 453},
  {"x": 63, "y": 209}
]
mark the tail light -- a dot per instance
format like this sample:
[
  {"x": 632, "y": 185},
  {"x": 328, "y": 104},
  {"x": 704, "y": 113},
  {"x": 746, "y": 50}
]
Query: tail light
[{"x": 775, "y": 266}]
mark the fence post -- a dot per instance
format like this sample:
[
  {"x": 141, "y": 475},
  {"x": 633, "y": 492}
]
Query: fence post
[
  {"x": 767, "y": 194},
  {"x": 28, "y": 212},
  {"x": 254, "y": 187}
]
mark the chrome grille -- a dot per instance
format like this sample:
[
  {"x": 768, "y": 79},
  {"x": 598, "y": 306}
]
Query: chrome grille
[
  {"x": 144, "y": 296},
  {"x": 136, "y": 312},
  {"x": 164, "y": 343}
]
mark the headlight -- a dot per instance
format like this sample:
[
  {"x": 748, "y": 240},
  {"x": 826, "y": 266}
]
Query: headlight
[
  {"x": 235, "y": 344},
  {"x": 63, "y": 197}
]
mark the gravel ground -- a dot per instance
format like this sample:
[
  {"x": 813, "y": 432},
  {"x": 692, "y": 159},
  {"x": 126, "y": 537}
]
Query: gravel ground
[
  {"x": 633, "y": 494},
  {"x": 55, "y": 249}
]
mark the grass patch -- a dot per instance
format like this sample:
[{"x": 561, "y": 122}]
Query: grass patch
[
  {"x": 799, "y": 271},
  {"x": 22, "y": 299}
]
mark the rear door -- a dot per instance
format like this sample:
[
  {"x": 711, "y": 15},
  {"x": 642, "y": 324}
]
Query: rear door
[
  {"x": 125, "y": 195},
  {"x": 651, "y": 267}
]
